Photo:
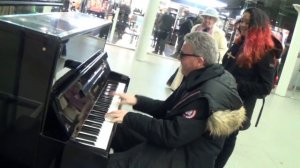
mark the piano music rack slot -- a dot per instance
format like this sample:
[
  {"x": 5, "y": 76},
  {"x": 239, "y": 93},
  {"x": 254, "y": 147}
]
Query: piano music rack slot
[{"x": 91, "y": 82}]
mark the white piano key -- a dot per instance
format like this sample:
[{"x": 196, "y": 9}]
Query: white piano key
[{"x": 107, "y": 126}]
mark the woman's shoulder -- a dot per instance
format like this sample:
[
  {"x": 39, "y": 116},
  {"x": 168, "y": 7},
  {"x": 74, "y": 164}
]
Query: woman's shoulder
[{"x": 218, "y": 31}]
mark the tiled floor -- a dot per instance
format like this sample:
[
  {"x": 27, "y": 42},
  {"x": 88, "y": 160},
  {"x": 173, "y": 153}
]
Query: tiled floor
[{"x": 273, "y": 144}]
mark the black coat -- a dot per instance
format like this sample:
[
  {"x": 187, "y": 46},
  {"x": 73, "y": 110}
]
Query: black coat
[
  {"x": 189, "y": 128},
  {"x": 165, "y": 22},
  {"x": 253, "y": 83},
  {"x": 186, "y": 26}
]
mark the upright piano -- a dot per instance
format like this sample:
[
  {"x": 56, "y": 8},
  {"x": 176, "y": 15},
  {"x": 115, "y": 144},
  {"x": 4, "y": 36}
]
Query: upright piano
[{"x": 56, "y": 86}]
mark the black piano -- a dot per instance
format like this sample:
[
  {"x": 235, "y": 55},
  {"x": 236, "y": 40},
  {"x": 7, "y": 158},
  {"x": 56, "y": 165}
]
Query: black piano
[{"x": 56, "y": 86}]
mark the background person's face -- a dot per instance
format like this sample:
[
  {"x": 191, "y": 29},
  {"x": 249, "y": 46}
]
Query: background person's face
[
  {"x": 208, "y": 22},
  {"x": 244, "y": 24}
]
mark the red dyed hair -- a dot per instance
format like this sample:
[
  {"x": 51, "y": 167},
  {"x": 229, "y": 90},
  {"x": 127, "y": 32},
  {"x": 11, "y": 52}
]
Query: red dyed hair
[{"x": 257, "y": 43}]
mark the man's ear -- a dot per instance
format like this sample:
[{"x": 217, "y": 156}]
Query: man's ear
[{"x": 201, "y": 61}]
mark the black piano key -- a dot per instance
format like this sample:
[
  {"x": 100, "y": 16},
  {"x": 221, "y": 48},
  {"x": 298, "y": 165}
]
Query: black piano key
[
  {"x": 105, "y": 98},
  {"x": 95, "y": 118},
  {"x": 104, "y": 101},
  {"x": 101, "y": 110},
  {"x": 86, "y": 142},
  {"x": 93, "y": 124},
  {"x": 112, "y": 86},
  {"x": 98, "y": 112},
  {"x": 96, "y": 107},
  {"x": 88, "y": 137},
  {"x": 107, "y": 94},
  {"x": 102, "y": 105},
  {"x": 90, "y": 130},
  {"x": 112, "y": 82},
  {"x": 110, "y": 89}
]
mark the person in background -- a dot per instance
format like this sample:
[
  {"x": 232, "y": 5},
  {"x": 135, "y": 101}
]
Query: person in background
[
  {"x": 210, "y": 18},
  {"x": 251, "y": 61},
  {"x": 123, "y": 19},
  {"x": 185, "y": 26},
  {"x": 189, "y": 128},
  {"x": 156, "y": 27},
  {"x": 164, "y": 26}
]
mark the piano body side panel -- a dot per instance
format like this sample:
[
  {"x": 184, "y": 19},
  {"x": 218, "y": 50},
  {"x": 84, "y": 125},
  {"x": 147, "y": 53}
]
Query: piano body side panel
[
  {"x": 9, "y": 63},
  {"x": 38, "y": 67},
  {"x": 27, "y": 71},
  {"x": 9, "y": 58}
]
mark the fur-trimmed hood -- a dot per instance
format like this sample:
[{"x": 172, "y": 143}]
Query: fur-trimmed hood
[
  {"x": 223, "y": 123},
  {"x": 227, "y": 113}
]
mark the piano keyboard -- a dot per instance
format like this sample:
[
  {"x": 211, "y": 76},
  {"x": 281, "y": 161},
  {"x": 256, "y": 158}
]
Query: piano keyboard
[{"x": 96, "y": 130}]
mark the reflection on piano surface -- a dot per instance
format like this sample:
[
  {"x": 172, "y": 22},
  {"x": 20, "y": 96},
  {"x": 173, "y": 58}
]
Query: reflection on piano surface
[{"x": 52, "y": 106}]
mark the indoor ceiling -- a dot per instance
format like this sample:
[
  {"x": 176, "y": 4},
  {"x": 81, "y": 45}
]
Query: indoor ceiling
[{"x": 281, "y": 12}]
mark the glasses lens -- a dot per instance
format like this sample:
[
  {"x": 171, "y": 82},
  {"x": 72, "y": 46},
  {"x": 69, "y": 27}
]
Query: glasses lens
[{"x": 182, "y": 54}]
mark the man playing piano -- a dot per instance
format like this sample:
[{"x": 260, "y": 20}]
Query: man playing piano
[{"x": 189, "y": 128}]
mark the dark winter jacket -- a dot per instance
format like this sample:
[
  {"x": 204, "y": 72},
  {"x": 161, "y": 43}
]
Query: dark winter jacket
[
  {"x": 186, "y": 26},
  {"x": 255, "y": 82},
  {"x": 181, "y": 134},
  {"x": 165, "y": 22}
]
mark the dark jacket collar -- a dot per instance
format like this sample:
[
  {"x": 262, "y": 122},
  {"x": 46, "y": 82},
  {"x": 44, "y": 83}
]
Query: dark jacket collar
[{"x": 196, "y": 77}]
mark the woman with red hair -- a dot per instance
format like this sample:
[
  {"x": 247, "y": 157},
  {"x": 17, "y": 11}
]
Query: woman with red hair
[{"x": 251, "y": 61}]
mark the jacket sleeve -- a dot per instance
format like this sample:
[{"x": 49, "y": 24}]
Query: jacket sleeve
[
  {"x": 150, "y": 106},
  {"x": 221, "y": 44},
  {"x": 174, "y": 132},
  {"x": 263, "y": 84}
]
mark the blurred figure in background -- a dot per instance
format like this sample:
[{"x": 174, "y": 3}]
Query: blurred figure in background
[
  {"x": 185, "y": 26},
  {"x": 123, "y": 19},
  {"x": 210, "y": 18},
  {"x": 164, "y": 28},
  {"x": 156, "y": 27}
]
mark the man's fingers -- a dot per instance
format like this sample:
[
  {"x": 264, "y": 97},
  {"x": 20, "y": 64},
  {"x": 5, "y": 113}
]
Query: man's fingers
[{"x": 113, "y": 117}]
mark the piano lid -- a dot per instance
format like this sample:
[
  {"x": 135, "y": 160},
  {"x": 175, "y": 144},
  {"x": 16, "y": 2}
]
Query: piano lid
[{"x": 59, "y": 24}]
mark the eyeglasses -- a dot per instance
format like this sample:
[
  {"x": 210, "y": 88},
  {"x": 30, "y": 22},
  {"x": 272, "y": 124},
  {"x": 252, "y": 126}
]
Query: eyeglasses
[{"x": 182, "y": 55}]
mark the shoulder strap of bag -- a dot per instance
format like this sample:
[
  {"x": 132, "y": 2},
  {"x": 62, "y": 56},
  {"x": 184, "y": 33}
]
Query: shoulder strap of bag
[{"x": 260, "y": 112}]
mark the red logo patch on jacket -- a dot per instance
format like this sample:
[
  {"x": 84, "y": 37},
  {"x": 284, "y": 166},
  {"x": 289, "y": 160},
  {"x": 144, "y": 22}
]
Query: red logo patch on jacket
[{"x": 190, "y": 114}]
